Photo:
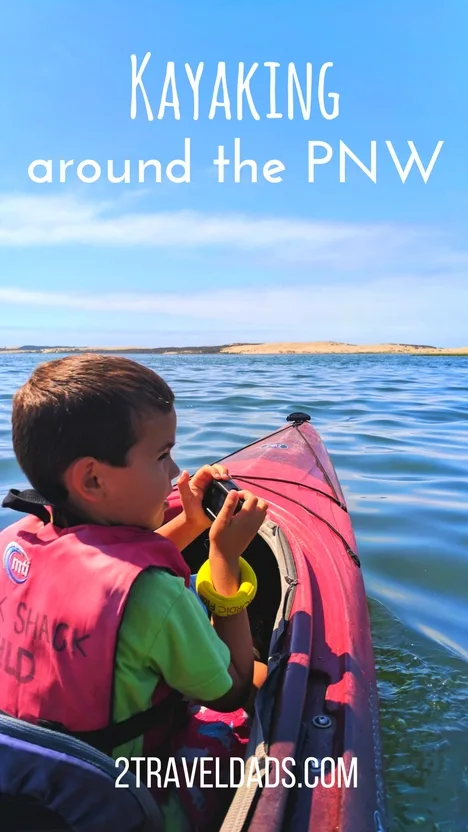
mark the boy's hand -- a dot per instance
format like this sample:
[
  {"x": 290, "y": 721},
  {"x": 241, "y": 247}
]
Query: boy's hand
[
  {"x": 231, "y": 533},
  {"x": 192, "y": 490}
]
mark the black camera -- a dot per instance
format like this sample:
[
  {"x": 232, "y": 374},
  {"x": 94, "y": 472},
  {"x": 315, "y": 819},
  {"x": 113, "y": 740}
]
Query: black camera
[{"x": 215, "y": 495}]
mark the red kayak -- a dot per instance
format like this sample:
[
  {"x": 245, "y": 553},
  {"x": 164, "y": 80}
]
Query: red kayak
[{"x": 317, "y": 714}]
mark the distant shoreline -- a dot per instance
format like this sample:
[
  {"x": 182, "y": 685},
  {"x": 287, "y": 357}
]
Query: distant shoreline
[{"x": 270, "y": 348}]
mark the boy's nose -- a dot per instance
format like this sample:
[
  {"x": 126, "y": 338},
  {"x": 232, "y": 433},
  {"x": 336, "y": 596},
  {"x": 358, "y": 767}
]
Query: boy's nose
[{"x": 175, "y": 470}]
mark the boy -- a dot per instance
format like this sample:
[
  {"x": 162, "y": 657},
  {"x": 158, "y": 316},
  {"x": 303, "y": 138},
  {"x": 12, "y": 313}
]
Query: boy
[{"x": 99, "y": 624}]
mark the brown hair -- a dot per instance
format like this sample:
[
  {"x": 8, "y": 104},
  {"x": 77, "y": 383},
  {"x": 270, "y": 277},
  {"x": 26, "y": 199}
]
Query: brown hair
[{"x": 82, "y": 405}]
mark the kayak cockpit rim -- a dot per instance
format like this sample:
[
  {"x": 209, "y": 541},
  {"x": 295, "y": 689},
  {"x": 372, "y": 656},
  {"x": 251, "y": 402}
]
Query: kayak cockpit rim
[{"x": 247, "y": 794}]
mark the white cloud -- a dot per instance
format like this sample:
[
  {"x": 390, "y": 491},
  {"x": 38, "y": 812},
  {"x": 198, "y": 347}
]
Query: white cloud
[
  {"x": 30, "y": 220},
  {"x": 386, "y": 310},
  {"x": 368, "y": 282}
]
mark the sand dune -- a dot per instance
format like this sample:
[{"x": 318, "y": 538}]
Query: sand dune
[{"x": 335, "y": 347}]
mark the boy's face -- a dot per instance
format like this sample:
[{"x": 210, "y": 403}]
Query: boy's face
[{"x": 136, "y": 494}]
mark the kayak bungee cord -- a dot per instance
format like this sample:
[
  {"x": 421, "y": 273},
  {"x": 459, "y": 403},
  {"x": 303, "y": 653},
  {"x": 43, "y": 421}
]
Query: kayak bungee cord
[
  {"x": 304, "y": 438},
  {"x": 299, "y": 484},
  {"x": 297, "y": 419},
  {"x": 349, "y": 551}
]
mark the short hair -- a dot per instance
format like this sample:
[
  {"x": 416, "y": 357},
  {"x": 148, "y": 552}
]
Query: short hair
[{"x": 78, "y": 406}]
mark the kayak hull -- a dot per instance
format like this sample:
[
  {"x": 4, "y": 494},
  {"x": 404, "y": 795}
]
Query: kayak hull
[{"x": 323, "y": 719}]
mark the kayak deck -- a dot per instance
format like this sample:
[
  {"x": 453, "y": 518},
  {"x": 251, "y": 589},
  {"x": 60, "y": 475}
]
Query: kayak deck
[{"x": 310, "y": 621}]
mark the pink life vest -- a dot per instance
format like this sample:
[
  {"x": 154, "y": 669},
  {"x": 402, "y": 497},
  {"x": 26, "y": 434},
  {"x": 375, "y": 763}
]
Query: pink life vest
[
  {"x": 62, "y": 597},
  {"x": 59, "y": 622}
]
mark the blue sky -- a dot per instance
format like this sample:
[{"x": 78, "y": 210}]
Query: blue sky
[{"x": 159, "y": 264}]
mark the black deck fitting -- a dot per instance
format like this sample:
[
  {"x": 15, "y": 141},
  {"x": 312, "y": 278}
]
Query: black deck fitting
[{"x": 298, "y": 417}]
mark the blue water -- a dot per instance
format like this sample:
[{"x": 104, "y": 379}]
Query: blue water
[{"x": 397, "y": 430}]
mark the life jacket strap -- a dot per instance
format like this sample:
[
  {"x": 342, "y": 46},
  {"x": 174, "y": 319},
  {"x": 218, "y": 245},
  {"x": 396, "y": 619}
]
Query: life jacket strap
[
  {"x": 28, "y": 502},
  {"x": 118, "y": 733}
]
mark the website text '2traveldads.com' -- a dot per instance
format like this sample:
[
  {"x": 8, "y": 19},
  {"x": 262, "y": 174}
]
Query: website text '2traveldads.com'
[{"x": 210, "y": 772}]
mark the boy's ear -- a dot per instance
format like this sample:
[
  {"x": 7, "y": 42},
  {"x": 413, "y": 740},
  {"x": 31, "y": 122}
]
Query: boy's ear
[{"x": 83, "y": 480}]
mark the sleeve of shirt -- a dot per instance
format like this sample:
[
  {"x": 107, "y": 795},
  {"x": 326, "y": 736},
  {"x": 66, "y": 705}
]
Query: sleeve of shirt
[{"x": 181, "y": 645}]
